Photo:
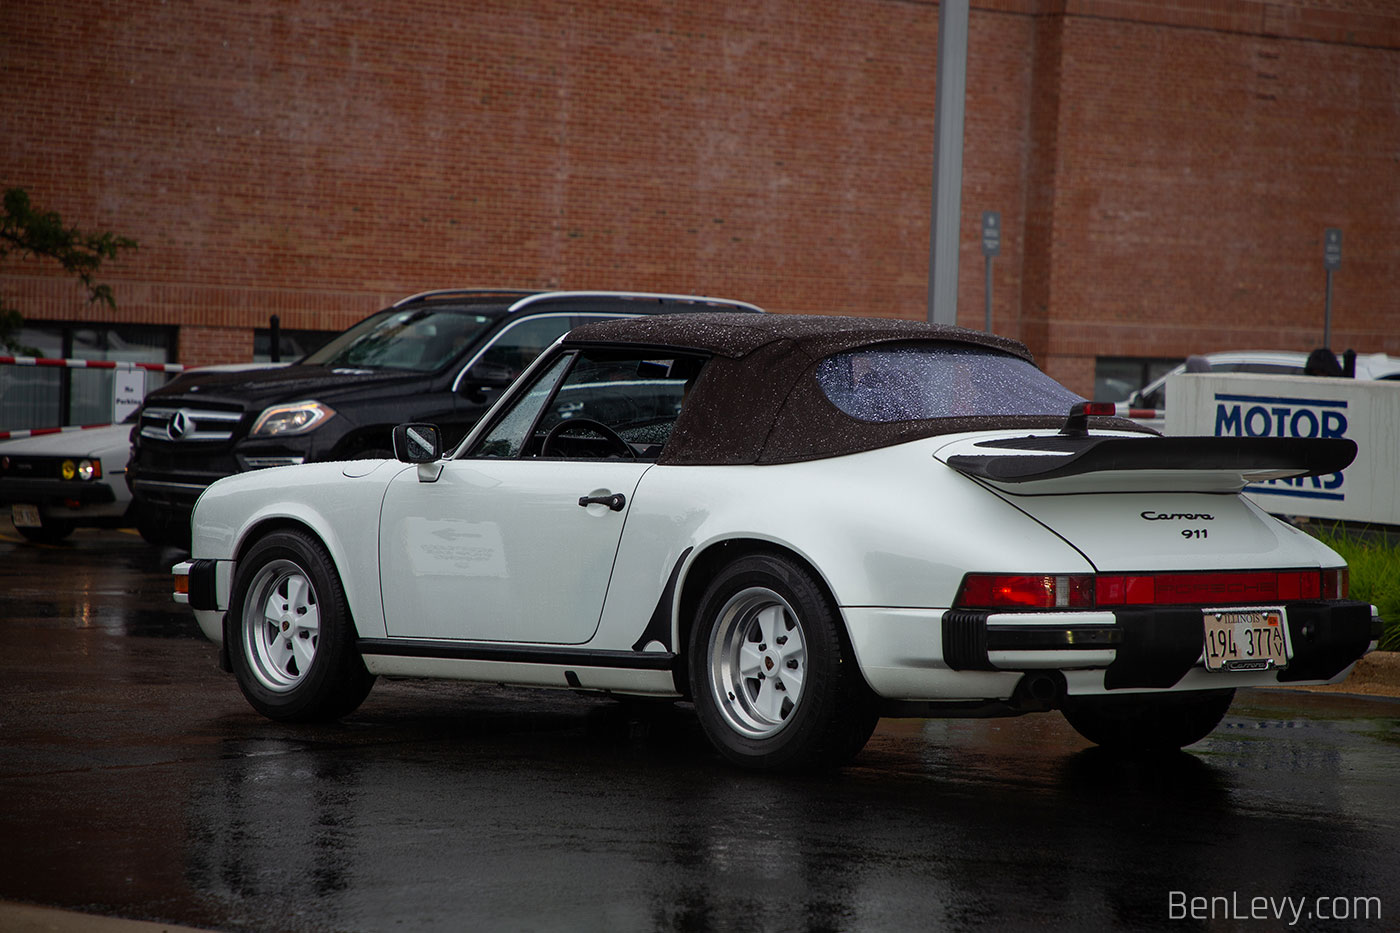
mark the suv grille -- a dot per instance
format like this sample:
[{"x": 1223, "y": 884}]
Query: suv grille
[{"x": 188, "y": 424}]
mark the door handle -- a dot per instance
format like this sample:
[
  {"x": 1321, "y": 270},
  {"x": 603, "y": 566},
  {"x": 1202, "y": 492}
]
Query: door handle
[{"x": 616, "y": 501}]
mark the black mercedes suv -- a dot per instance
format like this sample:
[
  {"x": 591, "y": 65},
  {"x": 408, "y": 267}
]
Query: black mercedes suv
[{"x": 439, "y": 357}]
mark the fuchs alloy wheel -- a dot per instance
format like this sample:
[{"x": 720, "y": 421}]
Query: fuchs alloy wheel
[
  {"x": 1148, "y": 722},
  {"x": 281, "y": 625},
  {"x": 776, "y": 686},
  {"x": 758, "y": 662},
  {"x": 290, "y": 635}
]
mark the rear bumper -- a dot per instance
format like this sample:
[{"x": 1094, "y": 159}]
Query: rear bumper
[
  {"x": 1151, "y": 648},
  {"x": 959, "y": 655}
]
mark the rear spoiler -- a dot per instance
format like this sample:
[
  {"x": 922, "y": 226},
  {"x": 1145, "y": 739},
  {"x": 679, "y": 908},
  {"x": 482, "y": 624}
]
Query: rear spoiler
[{"x": 1054, "y": 464}]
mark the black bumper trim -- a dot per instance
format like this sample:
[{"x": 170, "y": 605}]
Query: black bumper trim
[
  {"x": 1159, "y": 646},
  {"x": 203, "y": 594},
  {"x": 965, "y": 640},
  {"x": 1326, "y": 636}
]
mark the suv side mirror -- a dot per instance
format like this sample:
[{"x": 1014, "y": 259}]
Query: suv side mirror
[
  {"x": 491, "y": 375},
  {"x": 478, "y": 381},
  {"x": 417, "y": 443}
]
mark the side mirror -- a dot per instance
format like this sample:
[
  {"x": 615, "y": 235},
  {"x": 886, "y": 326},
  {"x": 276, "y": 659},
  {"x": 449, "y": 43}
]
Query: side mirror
[
  {"x": 491, "y": 375},
  {"x": 481, "y": 379},
  {"x": 417, "y": 443}
]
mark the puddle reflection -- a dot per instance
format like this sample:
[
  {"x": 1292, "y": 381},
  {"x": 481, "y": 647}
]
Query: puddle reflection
[{"x": 604, "y": 821}]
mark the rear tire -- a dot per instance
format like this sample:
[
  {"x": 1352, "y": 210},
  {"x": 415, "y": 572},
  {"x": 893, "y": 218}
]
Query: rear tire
[
  {"x": 1148, "y": 722},
  {"x": 290, "y": 635},
  {"x": 775, "y": 684}
]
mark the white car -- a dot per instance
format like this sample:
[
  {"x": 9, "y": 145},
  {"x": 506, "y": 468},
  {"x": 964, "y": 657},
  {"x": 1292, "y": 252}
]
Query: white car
[
  {"x": 56, "y": 481},
  {"x": 798, "y": 523},
  {"x": 52, "y": 483},
  {"x": 1150, "y": 402}
]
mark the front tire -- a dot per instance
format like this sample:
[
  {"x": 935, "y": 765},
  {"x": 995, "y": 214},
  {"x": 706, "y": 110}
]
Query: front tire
[
  {"x": 775, "y": 684},
  {"x": 1148, "y": 722},
  {"x": 52, "y": 531},
  {"x": 290, "y": 635}
]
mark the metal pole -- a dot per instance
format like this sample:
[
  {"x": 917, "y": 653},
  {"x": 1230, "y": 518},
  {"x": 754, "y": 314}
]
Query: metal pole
[
  {"x": 947, "y": 165},
  {"x": 987, "y": 293},
  {"x": 1331, "y": 259},
  {"x": 1327, "y": 315}
]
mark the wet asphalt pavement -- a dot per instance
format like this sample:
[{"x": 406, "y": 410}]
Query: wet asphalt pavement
[{"x": 135, "y": 782}]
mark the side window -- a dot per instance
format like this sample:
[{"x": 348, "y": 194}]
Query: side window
[
  {"x": 519, "y": 344},
  {"x": 508, "y": 436},
  {"x": 616, "y": 404},
  {"x": 608, "y": 404}
]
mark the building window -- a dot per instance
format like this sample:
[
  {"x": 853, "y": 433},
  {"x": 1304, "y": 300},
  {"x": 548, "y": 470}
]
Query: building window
[
  {"x": 1117, "y": 377},
  {"x": 46, "y": 397}
]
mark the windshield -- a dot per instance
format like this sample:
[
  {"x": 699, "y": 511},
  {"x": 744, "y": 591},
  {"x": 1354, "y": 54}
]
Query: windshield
[
  {"x": 415, "y": 339},
  {"x": 937, "y": 380}
]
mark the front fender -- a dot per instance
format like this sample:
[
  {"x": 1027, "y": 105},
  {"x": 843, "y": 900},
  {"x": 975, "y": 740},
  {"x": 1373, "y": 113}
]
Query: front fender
[{"x": 341, "y": 510}]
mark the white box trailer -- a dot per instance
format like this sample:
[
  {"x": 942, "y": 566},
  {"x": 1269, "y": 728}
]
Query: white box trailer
[{"x": 1255, "y": 405}]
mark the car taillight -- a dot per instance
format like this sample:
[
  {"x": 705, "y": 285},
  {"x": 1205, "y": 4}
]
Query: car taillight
[
  {"x": 1078, "y": 591},
  {"x": 1026, "y": 591},
  {"x": 1336, "y": 583}
]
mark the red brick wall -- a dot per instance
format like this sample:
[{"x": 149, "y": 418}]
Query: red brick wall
[
  {"x": 1164, "y": 170},
  {"x": 1197, "y": 170}
]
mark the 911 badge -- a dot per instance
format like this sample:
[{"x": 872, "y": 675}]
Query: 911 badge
[{"x": 1188, "y": 533}]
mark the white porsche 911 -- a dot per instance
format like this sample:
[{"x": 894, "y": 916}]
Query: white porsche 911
[{"x": 798, "y": 523}]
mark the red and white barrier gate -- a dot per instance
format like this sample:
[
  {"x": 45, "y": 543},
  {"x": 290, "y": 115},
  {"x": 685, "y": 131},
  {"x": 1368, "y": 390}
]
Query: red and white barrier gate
[{"x": 126, "y": 393}]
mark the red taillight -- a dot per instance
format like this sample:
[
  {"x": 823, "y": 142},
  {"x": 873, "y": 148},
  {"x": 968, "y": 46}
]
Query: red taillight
[
  {"x": 1080, "y": 591},
  {"x": 1336, "y": 583},
  {"x": 1126, "y": 590},
  {"x": 1217, "y": 588},
  {"x": 1026, "y": 591}
]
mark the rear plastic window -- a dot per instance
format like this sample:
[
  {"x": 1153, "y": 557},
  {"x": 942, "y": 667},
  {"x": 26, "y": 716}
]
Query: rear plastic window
[{"x": 911, "y": 383}]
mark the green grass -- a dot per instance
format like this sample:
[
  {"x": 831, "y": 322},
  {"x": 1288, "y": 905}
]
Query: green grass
[{"x": 1375, "y": 573}]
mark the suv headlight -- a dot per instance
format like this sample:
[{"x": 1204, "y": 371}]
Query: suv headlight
[{"x": 295, "y": 418}]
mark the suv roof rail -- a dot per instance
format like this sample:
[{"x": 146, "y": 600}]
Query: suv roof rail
[
  {"x": 465, "y": 293},
  {"x": 716, "y": 303}
]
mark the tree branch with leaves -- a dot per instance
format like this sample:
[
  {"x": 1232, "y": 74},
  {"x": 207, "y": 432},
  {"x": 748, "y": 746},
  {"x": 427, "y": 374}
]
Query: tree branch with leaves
[{"x": 42, "y": 235}]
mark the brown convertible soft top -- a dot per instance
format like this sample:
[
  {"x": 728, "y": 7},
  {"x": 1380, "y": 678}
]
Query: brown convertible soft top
[{"x": 757, "y": 401}]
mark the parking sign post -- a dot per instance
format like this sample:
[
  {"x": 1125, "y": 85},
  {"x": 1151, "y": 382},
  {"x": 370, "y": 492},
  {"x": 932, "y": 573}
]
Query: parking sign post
[
  {"x": 1331, "y": 259},
  {"x": 991, "y": 246}
]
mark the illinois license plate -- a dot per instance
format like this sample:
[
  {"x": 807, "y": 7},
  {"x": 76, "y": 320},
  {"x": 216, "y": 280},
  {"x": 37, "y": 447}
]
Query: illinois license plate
[
  {"x": 25, "y": 516},
  {"x": 1245, "y": 640}
]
